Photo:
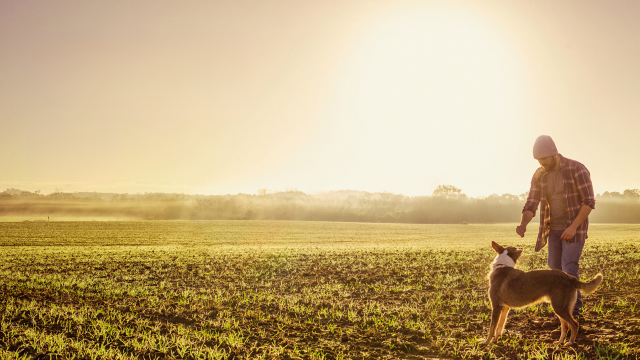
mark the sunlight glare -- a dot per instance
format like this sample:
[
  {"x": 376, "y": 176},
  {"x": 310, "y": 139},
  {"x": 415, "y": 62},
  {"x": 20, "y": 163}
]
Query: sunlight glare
[{"x": 432, "y": 80}]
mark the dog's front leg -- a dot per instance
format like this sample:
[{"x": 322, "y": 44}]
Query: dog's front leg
[
  {"x": 495, "y": 317},
  {"x": 503, "y": 320}
]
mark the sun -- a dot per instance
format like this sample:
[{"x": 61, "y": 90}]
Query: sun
[{"x": 429, "y": 79}]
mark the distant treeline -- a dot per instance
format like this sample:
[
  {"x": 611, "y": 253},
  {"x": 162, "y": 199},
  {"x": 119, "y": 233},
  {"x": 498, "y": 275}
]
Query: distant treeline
[{"x": 446, "y": 205}]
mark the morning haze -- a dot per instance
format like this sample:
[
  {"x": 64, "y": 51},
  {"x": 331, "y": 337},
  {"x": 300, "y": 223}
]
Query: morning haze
[
  {"x": 230, "y": 97},
  {"x": 326, "y": 179}
]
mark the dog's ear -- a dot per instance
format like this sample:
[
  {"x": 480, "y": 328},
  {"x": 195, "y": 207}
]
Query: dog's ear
[
  {"x": 499, "y": 249},
  {"x": 515, "y": 255}
]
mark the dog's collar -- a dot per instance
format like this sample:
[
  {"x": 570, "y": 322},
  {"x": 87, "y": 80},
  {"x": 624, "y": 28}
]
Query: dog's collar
[{"x": 496, "y": 266}]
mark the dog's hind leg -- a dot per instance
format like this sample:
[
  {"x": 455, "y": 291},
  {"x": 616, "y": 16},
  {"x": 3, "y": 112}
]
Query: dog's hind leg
[
  {"x": 563, "y": 331},
  {"x": 495, "y": 317},
  {"x": 573, "y": 325},
  {"x": 503, "y": 319},
  {"x": 563, "y": 306}
]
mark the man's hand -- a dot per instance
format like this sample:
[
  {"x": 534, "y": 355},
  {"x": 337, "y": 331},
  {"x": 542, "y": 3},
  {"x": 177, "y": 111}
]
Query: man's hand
[
  {"x": 527, "y": 215},
  {"x": 568, "y": 233}
]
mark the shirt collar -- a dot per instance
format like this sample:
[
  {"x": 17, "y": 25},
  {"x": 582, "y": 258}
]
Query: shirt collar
[{"x": 563, "y": 162}]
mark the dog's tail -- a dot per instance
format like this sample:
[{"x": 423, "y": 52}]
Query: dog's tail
[{"x": 591, "y": 286}]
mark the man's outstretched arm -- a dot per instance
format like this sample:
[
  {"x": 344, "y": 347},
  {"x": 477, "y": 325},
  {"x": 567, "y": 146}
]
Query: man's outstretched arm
[
  {"x": 527, "y": 215},
  {"x": 530, "y": 207}
]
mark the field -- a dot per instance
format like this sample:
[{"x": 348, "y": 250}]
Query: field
[{"x": 287, "y": 290}]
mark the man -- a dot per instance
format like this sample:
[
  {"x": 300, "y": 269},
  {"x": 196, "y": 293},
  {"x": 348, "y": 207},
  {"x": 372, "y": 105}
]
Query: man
[{"x": 564, "y": 191}]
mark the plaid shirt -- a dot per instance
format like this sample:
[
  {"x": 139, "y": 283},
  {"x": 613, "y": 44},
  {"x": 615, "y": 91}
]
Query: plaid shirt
[{"x": 578, "y": 191}]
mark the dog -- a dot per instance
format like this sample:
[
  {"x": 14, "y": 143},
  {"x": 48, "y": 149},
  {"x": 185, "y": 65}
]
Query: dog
[{"x": 512, "y": 288}]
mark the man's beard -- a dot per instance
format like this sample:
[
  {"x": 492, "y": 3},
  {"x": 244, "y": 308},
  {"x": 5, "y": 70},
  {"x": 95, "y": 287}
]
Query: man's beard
[{"x": 550, "y": 167}]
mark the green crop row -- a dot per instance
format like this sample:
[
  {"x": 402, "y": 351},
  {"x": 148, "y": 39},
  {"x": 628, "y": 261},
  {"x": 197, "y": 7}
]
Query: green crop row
[{"x": 317, "y": 291}]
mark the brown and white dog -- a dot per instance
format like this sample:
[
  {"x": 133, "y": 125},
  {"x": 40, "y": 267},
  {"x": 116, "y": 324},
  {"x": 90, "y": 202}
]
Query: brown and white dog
[{"x": 511, "y": 288}]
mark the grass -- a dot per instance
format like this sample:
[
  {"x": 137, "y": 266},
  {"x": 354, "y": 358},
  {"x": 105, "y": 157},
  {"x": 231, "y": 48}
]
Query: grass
[{"x": 307, "y": 290}]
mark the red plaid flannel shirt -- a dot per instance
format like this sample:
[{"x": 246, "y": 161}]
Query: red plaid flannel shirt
[{"x": 578, "y": 191}]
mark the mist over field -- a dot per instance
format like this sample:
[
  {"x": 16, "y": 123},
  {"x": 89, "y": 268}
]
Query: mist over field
[
  {"x": 127, "y": 121},
  {"x": 446, "y": 205}
]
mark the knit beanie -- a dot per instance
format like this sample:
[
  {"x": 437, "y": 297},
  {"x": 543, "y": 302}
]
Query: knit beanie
[{"x": 544, "y": 147}]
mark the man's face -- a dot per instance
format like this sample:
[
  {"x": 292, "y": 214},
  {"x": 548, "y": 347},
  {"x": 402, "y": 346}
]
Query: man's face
[{"x": 548, "y": 163}]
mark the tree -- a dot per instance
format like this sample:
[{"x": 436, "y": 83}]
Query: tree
[
  {"x": 612, "y": 195},
  {"x": 509, "y": 197},
  {"x": 633, "y": 194},
  {"x": 449, "y": 192}
]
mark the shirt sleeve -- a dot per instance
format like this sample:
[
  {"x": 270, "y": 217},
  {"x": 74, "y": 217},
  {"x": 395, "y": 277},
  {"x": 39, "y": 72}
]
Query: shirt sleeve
[
  {"x": 533, "y": 200},
  {"x": 582, "y": 177}
]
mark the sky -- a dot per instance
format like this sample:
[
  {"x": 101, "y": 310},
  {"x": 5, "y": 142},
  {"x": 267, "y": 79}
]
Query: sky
[{"x": 226, "y": 97}]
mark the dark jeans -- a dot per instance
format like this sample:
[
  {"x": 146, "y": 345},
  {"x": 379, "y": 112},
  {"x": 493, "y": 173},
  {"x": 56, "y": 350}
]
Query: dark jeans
[{"x": 565, "y": 257}]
